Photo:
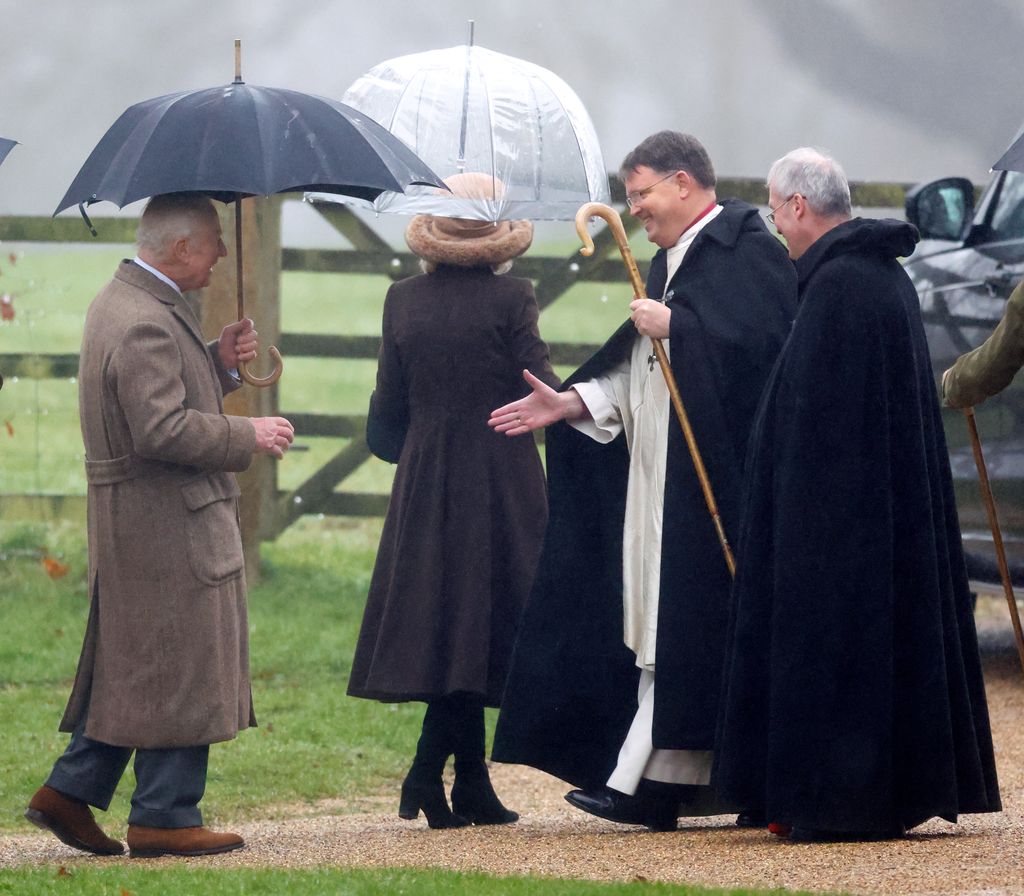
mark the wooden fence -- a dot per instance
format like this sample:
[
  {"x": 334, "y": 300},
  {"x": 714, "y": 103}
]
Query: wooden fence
[{"x": 266, "y": 509}]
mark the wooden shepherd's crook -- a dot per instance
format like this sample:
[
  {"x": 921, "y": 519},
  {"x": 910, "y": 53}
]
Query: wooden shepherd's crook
[
  {"x": 275, "y": 355},
  {"x": 997, "y": 538},
  {"x": 600, "y": 210}
]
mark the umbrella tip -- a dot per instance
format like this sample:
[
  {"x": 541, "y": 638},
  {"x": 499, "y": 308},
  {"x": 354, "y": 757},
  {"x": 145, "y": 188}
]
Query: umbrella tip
[
  {"x": 238, "y": 61},
  {"x": 472, "y": 25}
]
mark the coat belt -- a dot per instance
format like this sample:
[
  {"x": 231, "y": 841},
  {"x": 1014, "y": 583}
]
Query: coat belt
[{"x": 121, "y": 469}]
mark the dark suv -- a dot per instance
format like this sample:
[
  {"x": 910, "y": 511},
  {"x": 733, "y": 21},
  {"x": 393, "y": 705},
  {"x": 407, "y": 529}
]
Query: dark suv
[{"x": 964, "y": 268}]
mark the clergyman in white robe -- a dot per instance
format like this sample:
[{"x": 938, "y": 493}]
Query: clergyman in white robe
[{"x": 634, "y": 398}]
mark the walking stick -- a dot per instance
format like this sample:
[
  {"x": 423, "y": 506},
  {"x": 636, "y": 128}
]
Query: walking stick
[
  {"x": 997, "y": 538},
  {"x": 599, "y": 210}
]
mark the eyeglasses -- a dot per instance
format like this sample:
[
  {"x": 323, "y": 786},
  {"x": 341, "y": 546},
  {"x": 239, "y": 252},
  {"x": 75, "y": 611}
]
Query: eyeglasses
[
  {"x": 640, "y": 195},
  {"x": 771, "y": 214}
]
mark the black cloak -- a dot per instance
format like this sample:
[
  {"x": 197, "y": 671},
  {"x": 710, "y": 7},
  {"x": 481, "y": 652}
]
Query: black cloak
[
  {"x": 854, "y": 698},
  {"x": 571, "y": 693}
]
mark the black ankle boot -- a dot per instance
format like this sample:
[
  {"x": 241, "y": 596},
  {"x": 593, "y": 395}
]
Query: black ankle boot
[
  {"x": 428, "y": 796},
  {"x": 423, "y": 787},
  {"x": 473, "y": 797}
]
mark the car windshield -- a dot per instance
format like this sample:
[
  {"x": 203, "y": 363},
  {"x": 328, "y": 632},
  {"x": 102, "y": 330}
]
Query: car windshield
[{"x": 1008, "y": 219}]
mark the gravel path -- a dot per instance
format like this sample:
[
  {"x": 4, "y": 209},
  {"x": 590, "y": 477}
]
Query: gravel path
[{"x": 984, "y": 854}]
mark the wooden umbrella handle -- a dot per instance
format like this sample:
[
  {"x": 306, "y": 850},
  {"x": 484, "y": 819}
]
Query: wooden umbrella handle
[
  {"x": 997, "y": 537},
  {"x": 600, "y": 210},
  {"x": 275, "y": 355},
  {"x": 263, "y": 381}
]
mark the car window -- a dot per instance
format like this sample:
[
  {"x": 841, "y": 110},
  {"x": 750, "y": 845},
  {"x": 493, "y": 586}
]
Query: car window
[
  {"x": 1008, "y": 218},
  {"x": 941, "y": 212}
]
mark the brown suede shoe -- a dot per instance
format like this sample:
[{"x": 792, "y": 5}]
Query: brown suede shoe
[
  {"x": 148, "y": 843},
  {"x": 71, "y": 821}
]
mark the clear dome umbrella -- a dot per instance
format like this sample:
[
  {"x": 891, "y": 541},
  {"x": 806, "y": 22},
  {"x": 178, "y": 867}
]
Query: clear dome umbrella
[{"x": 468, "y": 108}]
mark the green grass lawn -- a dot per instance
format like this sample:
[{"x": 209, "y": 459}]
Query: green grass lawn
[
  {"x": 316, "y": 882},
  {"x": 304, "y": 619}
]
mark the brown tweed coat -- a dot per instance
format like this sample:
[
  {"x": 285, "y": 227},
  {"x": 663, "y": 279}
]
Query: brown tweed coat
[{"x": 165, "y": 661}]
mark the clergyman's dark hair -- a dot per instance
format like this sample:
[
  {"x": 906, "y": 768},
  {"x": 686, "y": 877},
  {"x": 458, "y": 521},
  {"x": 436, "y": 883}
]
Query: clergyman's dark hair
[{"x": 669, "y": 151}]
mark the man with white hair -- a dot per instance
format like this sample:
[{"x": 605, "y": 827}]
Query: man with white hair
[
  {"x": 853, "y": 703},
  {"x": 164, "y": 669}
]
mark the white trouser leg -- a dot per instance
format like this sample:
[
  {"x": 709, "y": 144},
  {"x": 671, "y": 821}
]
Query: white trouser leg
[{"x": 638, "y": 758}]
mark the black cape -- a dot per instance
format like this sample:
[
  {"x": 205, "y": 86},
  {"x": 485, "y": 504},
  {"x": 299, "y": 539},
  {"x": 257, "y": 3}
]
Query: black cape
[
  {"x": 854, "y": 697},
  {"x": 571, "y": 693}
]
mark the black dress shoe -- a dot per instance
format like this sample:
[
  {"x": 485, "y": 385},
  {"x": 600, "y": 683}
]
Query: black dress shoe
[
  {"x": 660, "y": 802},
  {"x": 608, "y": 804},
  {"x": 752, "y": 818}
]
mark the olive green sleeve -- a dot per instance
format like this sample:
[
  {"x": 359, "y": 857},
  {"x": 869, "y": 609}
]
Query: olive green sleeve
[{"x": 990, "y": 367}]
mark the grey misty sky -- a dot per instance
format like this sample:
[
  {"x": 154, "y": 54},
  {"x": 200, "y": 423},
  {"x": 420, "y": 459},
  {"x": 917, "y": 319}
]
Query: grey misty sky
[{"x": 896, "y": 89}]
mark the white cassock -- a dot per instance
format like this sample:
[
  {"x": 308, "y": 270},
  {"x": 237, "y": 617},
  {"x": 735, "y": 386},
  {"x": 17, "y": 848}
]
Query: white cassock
[{"x": 634, "y": 398}]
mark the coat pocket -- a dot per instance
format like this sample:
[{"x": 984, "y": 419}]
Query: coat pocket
[{"x": 212, "y": 534}]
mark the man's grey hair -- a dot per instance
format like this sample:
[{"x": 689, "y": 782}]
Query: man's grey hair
[
  {"x": 170, "y": 217},
  {"x": 817, "y": 177}
]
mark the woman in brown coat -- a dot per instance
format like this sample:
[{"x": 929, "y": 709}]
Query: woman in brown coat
[{"x": 468, "y": 507}]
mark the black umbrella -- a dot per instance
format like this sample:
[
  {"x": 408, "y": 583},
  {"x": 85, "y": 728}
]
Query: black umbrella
[
  {"x": 5, "y": 147},
  {"x": 241, "y": 140},
  {"x": 1013, "y": 158}
]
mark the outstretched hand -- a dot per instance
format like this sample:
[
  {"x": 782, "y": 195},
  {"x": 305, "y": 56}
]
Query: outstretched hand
[{"x": 542, "y": 407}]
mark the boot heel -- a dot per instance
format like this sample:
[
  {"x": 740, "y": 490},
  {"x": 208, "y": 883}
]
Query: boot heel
[
  {"x": 408, "y": 805},
  {"x": 431, "y": 799}
]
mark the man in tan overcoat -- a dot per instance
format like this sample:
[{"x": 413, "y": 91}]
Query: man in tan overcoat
[
  {"x": 988, "y": 369},
  {"x": 164, "y": 669}
]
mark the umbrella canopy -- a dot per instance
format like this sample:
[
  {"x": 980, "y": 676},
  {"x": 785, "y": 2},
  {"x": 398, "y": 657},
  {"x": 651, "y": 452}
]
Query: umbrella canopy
[
  {"x": 1013, "y": 158},
  {"x": 243, "y": 140},
  {"x": 468, "y": 108},
  {"x": 5, "y": 147}
]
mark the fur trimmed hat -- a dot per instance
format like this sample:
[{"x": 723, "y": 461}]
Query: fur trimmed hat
[{"x": 464, "y": 242}]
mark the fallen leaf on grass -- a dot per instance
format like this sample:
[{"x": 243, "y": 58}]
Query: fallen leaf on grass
[{"x": 54, "y": 568}]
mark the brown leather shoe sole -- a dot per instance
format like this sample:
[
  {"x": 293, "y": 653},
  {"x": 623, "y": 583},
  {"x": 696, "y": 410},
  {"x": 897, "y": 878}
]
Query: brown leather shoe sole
[
  {"x": 44, "y": 821},
  {"x": 156, "y": 853}
]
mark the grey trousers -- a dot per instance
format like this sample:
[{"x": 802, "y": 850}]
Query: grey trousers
[{"x": 168, "y": 783}]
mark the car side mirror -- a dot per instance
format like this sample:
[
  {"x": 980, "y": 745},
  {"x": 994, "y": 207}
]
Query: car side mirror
[{"x": 941, "y": 209}]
